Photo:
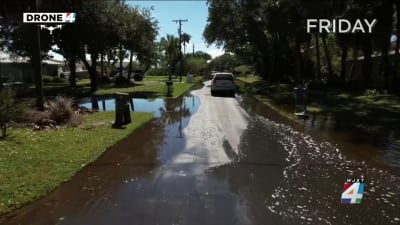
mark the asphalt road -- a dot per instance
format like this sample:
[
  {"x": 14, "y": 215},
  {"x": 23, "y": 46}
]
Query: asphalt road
[{"x": 206, "y": 160}]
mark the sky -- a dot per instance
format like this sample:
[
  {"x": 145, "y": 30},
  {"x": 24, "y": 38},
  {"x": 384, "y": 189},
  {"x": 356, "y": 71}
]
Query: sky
[{"x": 196, "y": 12}]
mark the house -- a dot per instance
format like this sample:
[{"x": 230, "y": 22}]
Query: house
[{"x": 19, "y": 69}]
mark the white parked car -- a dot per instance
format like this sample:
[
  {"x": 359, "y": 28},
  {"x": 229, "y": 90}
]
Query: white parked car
[{"x": 223, "y": 82}]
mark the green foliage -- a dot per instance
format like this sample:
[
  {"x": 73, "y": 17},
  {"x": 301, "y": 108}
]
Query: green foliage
[
  {"x": 199, "y": 54},
  {"x": 371, "y": 92},
  {"x": 51, "y": 79},
  {"x": 196, "y": 66},
  {"x": 224, "y": 63},
  {"x": 156, "y": 72},
  {"x": 47, "y": 79},
  {"x": 185, "y": 40},
  {"x": 244, "y": 70},
  {"x": 282, "y": 50},
  {"x": 170, "y": 46}
]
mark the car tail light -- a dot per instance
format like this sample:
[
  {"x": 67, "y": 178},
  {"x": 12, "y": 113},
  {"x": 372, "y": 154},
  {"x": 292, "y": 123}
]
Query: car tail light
[
  {"x": 234, "y": 81},
  {"x": 214, "y": 81}
]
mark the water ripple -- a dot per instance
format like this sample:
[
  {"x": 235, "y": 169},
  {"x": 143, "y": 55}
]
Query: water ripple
[{"x": 312, "y": 185}]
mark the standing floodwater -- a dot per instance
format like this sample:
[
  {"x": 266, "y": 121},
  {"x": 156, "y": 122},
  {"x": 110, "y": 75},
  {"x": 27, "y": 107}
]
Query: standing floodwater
[{"x": 209, "y": 160}]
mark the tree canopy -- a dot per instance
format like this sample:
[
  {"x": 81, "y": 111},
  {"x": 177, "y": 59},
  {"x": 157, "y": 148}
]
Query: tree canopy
[
  {"x": 101, "y": 25},
  {"x": 272, "y": 36}
]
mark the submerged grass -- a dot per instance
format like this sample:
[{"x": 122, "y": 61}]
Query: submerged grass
[
  {"x": 375, "y": 114},
  {"x": 151, "y": 86},
  {"x": 33, "y": 163}
]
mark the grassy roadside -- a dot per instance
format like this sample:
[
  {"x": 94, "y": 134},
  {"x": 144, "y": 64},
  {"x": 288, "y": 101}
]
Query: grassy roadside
[
  {"x": 374, "y": 114},
  {"x": 32, "y": 163},
  {"x": 150, "y": 87}
]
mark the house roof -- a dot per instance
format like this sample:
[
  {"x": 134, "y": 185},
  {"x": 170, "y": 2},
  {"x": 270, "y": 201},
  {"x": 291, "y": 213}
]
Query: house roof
[{"x": 6, "y": 57}]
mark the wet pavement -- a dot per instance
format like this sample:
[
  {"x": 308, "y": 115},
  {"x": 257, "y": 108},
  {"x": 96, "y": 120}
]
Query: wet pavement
[{"x": 219, "y": 160}]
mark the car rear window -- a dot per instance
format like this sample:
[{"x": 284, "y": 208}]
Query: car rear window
[{"x": 223, "y": 77}]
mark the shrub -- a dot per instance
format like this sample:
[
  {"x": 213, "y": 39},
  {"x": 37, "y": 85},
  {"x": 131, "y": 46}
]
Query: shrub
[
  {"x": 156, "y": 72},
  {"x": 121, "y": 81},
  {"x": 138, "y": 77},
  {"x": 59, "y": 80},
  {"x": 51, "y": 79},
  {"x": 196, "y": 65},
  {"x": 371, "y": 92},
  {"x": 35, "y": 116},
  {"x": 47, "y": 79},
  {"x": 61, "y": 109},
  {"x": 75, "y": 120},
  {"x": 244, "y": 70},
  {"x": 105, "y": 79}
]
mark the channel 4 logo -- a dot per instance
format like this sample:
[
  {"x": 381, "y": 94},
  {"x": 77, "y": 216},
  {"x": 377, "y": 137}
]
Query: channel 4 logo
[
  {"x": 353, "y": 191},
  {"x": 70, "y": 17}
]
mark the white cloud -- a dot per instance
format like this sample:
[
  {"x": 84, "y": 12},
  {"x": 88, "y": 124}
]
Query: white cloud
[{"x": 215, "y": 52}]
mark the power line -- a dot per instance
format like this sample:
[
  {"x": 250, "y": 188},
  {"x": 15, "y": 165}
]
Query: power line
[{"x": 180, "y": 21}]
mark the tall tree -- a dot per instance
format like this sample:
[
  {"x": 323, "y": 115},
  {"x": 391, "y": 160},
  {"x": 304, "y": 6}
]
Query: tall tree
[
  {"x": 19, "y": 39},
  {"x": 185, "y": 39},
  {"x": 170, "y": 45}
]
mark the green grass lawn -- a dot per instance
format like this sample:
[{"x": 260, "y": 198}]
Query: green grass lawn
[
  {"x": 151, "y": 86},
  {"x": 52, "y": 89},
  {"x": 32, "y": 163}
]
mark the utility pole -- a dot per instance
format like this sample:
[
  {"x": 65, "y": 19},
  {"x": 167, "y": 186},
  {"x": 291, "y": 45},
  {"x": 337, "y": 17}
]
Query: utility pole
[
  {"x": 193, "y": 49},
  {"x": 180, "y": 47}
]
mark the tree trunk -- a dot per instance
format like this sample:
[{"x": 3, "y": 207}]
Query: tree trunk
[
  {"x": 318, "y": 72},
  {"x": 396, "y": 56},
  {"x": 130, "y": 66},
  {"x": 93, "y": 74},
  {"x": 92, "y": 71},
  {"x": 343, "y": 64},
  {"x": 353, "y": 64},
  {"x": 72, "y": 69},
  {"x": 327, "y": 57},
  {"x": 95, "y": 103},
  {"x": 37, "y": 64},
  {"x": 3, "y": 130},
  {"x": 386, "y": 19},
  {"x": 385, "y": 68},
  {"x": 102, "y": 64},
  {"x": 109, "y": 61},
  {"x": 121, "y": 59},
  {"x": 367, "y": 72},
  {"x": 298, "y": 60}
]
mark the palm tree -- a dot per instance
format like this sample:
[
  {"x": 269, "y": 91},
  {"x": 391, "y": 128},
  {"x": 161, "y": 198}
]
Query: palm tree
[
  {"x": 185, "y": 39},
  {"x": 170, "y": 45}
]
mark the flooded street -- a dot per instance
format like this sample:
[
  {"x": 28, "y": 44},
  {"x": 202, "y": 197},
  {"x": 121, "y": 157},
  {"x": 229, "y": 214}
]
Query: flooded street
[{"x": 219, "y": 160}]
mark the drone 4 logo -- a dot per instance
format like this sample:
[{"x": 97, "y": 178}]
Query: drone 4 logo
[{"x": 42, "y": 18}]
